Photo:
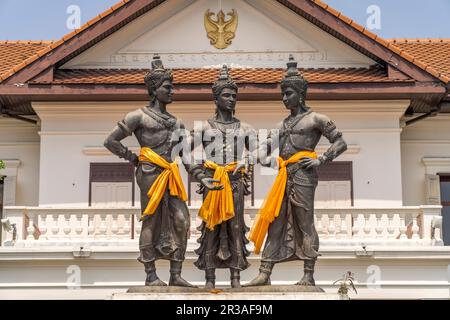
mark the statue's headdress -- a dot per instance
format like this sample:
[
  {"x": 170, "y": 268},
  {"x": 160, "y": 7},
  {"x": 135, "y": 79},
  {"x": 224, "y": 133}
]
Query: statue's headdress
[
  {"x": 224, "y": 81},
  {"x": 293, "y": 78},
  {"x": 156, "y": 76}
]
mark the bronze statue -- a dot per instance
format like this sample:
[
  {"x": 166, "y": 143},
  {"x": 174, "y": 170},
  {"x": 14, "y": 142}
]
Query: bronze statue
[
  {"x": 287, "y": 216},
  {"x": 165, "y": 216},
  {"x": 223, "y": 241}
]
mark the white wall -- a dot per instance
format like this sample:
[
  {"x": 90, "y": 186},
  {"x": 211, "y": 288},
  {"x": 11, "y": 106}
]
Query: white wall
[
  {"x": 429, "y": 138},
  {"x": 374, "y": 127},
  {"x": 20, "y": 141},
  {"x": 371, "y": 129}
]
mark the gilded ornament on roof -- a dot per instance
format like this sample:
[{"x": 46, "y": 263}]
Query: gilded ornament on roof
[{"x": 220, "y": 31}]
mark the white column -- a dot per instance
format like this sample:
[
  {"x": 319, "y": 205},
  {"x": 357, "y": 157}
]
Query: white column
[
  {"x": 428, "y": 213},
  {"x": 15, "y": 216},
  {"x": 10, "y": 182}
]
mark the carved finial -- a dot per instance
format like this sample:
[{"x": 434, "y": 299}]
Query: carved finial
[
  {"x": 224, "y": 81},
  {"x": 157, "y": 63},
  {"x": 224, "y": 75},
  {"x": 292, "y": 70}
]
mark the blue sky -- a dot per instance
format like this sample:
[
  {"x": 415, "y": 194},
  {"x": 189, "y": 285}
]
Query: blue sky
[{"x": 46, "y": 19}]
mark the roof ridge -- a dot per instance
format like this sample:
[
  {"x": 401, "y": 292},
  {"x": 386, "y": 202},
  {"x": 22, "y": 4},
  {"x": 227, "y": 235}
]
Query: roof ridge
[
  {"x": 390, "y": 45},
  {"x": 418, "y": 40},
  {"x": 27, "y": 41},
  {"x": 58, "y": 43}
]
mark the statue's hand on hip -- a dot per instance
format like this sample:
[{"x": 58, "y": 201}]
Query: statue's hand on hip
[
  {"x": 134, "y": 159},
  {"x": 308, "y": 163},
  {"x": 210, "y": 184}
]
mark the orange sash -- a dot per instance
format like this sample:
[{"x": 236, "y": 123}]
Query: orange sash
[
  {"x": 170, "y": 176},
  {"x": 271, "y": 206},
  {"x": 218, "y": 205}
]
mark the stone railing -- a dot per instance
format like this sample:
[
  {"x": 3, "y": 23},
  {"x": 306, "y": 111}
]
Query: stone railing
[{"x": 39, "y": 226}]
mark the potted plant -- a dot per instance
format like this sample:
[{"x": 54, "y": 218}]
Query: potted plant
[{"x": 345, "y": 283}]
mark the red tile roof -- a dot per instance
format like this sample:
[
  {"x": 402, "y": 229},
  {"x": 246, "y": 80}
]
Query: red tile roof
[
  {"x": 432, "y": 58},
  {"x": 36, "y": 55},
  {"x": 13, "y": 53},
  {"x": 208, "y": 76},
  {"x": 428, "y": 67},
  {"x": 433, "y": 52}
]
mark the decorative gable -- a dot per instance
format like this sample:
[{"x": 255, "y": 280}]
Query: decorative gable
[{"x": 266, "y": 34}]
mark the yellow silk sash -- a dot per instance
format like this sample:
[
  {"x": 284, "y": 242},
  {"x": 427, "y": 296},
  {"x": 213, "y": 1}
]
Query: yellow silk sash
[
  {"x": 170, "y": 175},
  {"x": 218, "y": 205},
  {"x": 271, "y": 206}
]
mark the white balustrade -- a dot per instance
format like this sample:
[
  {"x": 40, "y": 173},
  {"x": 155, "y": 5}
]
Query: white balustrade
[{"x": 335, "y": 226}]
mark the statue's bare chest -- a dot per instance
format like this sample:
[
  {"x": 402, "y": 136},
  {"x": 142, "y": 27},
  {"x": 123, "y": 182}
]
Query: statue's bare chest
[
  {"x": 299, "y": 134},
  {"x": 224, "y": 142},
  {"x": 155, "y": 132}
]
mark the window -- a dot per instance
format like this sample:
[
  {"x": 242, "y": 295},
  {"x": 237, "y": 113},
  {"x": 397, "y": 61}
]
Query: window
[
  {"x": 445, "y": 202},
  {"x": 111, "y": 184},
  {"x": 335, "y": 188}
]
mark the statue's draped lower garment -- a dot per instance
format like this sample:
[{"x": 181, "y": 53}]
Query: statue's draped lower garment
[{"x": 225, "y": 245}]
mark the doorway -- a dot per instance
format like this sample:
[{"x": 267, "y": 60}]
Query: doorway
[
  {"x": 335, "y": 187},
  {"x": 445, "y": 202}
]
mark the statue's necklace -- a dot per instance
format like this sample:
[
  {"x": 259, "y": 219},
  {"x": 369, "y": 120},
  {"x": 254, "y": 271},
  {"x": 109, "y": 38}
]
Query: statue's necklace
[
  {"x": 166, "y": 120},
  {"x": 224, "y": 126}
]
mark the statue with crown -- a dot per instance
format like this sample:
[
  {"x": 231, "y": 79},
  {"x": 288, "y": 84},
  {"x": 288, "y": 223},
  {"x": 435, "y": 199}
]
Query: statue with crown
[
  {"x": 230, "y": 147},
  {"x": 164, "y": 213},
  {"x": 286, "y": 218}
]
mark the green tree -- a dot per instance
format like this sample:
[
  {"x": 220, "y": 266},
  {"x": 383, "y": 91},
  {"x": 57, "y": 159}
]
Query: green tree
[{"x": 2, "y": 166}]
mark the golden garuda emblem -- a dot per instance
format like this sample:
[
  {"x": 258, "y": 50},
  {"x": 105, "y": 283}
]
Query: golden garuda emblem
[{"x": 221, "y": 32}]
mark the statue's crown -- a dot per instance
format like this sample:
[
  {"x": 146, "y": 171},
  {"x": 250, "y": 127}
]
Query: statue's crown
[
  {"x": 156, "y": 76},
  {"x": 157, "y": 64},
  {"x": 293, "y": 78},
  {"x": 224, "y": 81},
  {"x": 292, "y": 71}
]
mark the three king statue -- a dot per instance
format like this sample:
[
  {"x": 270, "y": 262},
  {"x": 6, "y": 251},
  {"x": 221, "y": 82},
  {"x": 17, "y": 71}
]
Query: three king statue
[{"x": 285, "y": 220}]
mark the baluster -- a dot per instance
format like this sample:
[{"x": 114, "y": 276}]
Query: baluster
[
  {"x": 79, "y": 225},
  {"x": 379, "y": 225},
  {"x": 30, "y": 228},
  {"x": 103, "y": 227},
  {"x": 120, "y": 226},
  {"x": 126, "y": 226},
  {"x": 343, "y": 228},
  {"x": 319, "y": 225},
  {"x": 114, "y": 226},
  {"x": 331, "y": 226},
  {"x": 67, "y": 227},
  {"x": 402, "y": 227},
  {"x": 91, "y": 226},
  {"x": 391, "y": 226},
  {"x": 55, "y": 225},
  {"x": 356, "y": 230},
  {"x": 415, "y": 228},
  {"x": 43, "y": 227},
  {"x": 337, "y": 226},
  {"x": 325, "y": 223},
  {"x": 367, "y": 227}
]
